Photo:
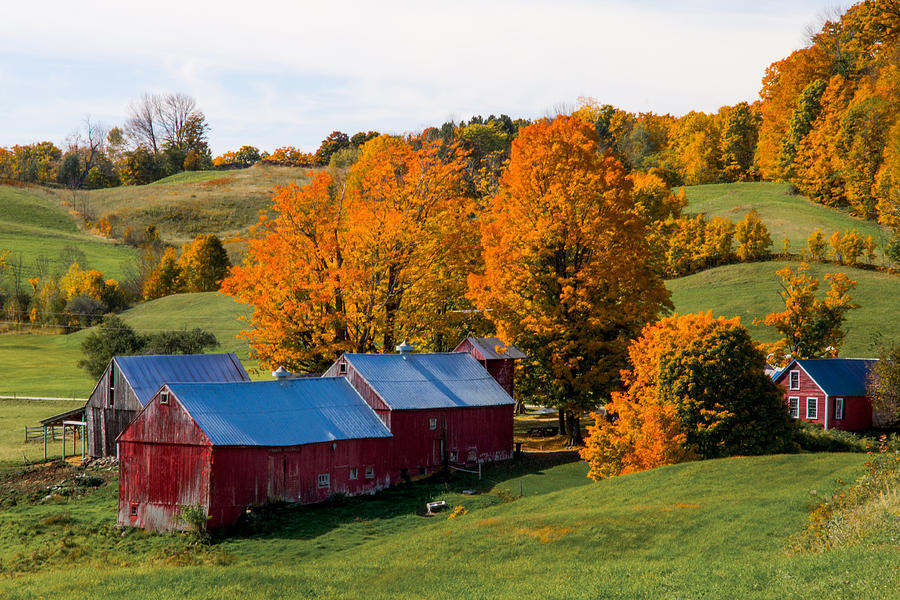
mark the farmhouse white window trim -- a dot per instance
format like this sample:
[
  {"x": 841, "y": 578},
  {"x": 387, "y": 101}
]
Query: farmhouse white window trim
[
  {"x": 794, "y": 380},
  {"x": 794, "y": 406},
  {"x": 432, "y": 423},
  {"x": 812, "y": 407},
  {"x": 342, "y": 368},
  {"x": 324, "y": 480},
  {"x": 838, "y": 409},
  {"x": 370, "y": 472},
  {"x": 164, "y": 397}
]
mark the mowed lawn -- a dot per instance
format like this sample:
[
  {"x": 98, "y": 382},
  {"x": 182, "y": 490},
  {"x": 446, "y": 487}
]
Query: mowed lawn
[
  {"x": 784, "y": 214},
  {"x": 751, "y": 290},
  {"x": 715, "y": 529},
  {"x": 40, "y": 234},
  {"x": 47, "y": 365}
]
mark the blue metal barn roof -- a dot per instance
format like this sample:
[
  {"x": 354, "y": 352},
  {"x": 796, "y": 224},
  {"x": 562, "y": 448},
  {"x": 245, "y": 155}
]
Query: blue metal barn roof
[
  {"x": 837, "y": 376},
  {"x": 147, "y": 373},
  {"x": 279, "y": 413},
  {"x": 489, "y": 348},
  {"x": 423, "y": 381}
]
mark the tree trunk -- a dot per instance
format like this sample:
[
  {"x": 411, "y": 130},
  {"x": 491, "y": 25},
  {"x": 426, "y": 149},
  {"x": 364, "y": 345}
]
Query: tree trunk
[
  {"x": 573, "y": 426},
  {"x": 520, "y": 407},
  {"x": 562, "y": 422}
]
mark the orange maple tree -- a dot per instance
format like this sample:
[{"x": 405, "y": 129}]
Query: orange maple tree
[
  {"x": 695, "y": 389},
  {"x": 357, "y": 261},
  {"x": 568, "y": 274}
]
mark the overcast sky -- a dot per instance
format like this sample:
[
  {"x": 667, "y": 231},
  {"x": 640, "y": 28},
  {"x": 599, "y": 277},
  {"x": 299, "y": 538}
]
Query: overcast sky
[{"x": 275, "y": 73}]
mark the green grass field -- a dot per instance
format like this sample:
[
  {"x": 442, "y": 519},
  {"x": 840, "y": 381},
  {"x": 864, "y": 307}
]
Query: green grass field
[
  {"x": 47, "y": 365},
  {"x": 185, "y": 205},
  {"x": 751, "y": 291},
  {"x": 15, "y": 415},
  {"x": 44, "y": 236},
  {"x": 716, "y": 529},
  {"x": 784, "y": 214}
]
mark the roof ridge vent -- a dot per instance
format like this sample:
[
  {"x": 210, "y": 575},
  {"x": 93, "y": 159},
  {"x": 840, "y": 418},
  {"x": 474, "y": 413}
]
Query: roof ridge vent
[
  {"x": 281, "y": 373},
  {"x": 404, "y": 348}
]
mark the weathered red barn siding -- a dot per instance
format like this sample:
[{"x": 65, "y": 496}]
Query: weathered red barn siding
[
  {"x": 483, "y": 432},
  {"x": 362, "y": 387},
  {"x": 857, "y": 409},
  {"x": 502, "y": 370},
  {"x": 245, "y": 476},
  {"x": 164, "y": 462}
]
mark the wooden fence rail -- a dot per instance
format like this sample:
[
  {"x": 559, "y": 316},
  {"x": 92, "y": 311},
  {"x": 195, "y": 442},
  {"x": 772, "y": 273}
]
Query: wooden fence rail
[{"x": 36, "y": 434}]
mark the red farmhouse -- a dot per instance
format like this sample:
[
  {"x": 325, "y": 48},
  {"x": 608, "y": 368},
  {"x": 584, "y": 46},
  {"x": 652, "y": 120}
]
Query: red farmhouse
[
  {"x": 440, "y": 407},
  {"x": 225, "y": 446},
  {"x": 498, "y": 358},
  {"x": 828, "y": 391}
]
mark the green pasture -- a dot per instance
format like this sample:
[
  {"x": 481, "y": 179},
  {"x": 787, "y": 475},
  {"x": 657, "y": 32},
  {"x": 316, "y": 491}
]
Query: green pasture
[
  {"x": 47, "y": 365},
  {"x": 715, "y": 529},
  {"x": 751, "y": 290},
  {"x": 42, "y": 236},
  {"x": 15, "y": 415},
  {"x": 784, "y": 214}
]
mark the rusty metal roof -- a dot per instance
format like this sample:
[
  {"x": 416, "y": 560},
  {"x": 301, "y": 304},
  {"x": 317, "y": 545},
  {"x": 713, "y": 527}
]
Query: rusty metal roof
[
  {"x": 429, "y": 380},
  {"x": 146, "y": 373},
  {"x": 288, "y": 412},
  {"x": 493, "y": 348}
]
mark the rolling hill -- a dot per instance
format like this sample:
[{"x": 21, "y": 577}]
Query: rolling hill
[
  {"x": 47, "y": 365},
  {"x": 751, "y": 290},
  {"x": 783, "y": 213},
  {"x": 713, "y": 529},
  {"x": 41, "y": 236},
  {"x": 187, "y": 204}
]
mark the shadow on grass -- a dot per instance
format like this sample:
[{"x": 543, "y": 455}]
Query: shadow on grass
[{"x": 283, "y": 521}]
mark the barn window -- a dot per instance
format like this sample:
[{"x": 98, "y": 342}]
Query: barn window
[
  {"x": 134, "y": 509},
  {"x": 342, "y": 368},
  {"x": 795, "y": 380},
  {"x": 794, "y": 403},
  {"x": 164, "y": 398},
  {"x": 812, "y": 408},
  {"x": 353, "y": 473},
  {"x": 838, "y": 408},
  {"x": 454, "y": 455},
  {"x": 370, "y": 472},
  {"x": 324, "y": 480},
  {"x": 473, "y": 455},
  {"x": 432, "y": 423}
]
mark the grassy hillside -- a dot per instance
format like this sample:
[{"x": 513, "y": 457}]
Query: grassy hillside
[
  {"x": 47, "y": 365},
  {"x": 715, "y": 529},
  {"x": 752, "y": 290},
  {"x": 783, "y": 213},
  {"x": 43, "y": 235},
  {"x": 187, "y": 204}
]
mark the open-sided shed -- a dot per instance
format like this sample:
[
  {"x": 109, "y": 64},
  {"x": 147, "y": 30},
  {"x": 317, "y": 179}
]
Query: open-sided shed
[
  {"x": 442, "y": 408},
  {"x": 226, "y": 446},
  {"x": 129, "y": 382}
]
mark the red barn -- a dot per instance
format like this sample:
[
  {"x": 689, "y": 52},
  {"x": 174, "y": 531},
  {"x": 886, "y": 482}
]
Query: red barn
[
  {"x": 498, "y": 358},
  {"x": 442, "y": 408},
  {"x": 828, "y": 391},
  {"x": 227, "y": 446}
]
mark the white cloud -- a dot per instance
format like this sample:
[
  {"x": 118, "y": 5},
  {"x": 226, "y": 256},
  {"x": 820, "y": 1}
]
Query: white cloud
[{"x": 402, "y": 62}]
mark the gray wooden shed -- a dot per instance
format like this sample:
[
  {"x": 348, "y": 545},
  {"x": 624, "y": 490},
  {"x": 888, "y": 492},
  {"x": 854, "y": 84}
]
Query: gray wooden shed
[{"x": 129, "y": 382}]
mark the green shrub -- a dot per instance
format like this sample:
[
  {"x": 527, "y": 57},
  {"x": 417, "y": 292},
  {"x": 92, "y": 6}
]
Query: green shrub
[{"x": 812, "y": 437}]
